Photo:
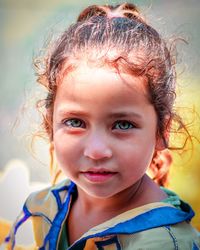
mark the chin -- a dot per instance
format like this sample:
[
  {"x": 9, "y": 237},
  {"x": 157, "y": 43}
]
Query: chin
[{"x": 99, "y": 192}]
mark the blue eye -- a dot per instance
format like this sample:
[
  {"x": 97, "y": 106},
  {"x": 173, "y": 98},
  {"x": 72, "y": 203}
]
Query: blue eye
[
  {"x": 74, "y": 123},
  {"x": 123, "y": 125}
]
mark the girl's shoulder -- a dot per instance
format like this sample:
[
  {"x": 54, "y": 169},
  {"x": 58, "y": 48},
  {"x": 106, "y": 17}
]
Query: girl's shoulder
[
  {"x": 42, "y": 200},
  {"x": 42, "y": 207},
  {"x": 179, "y": 236},
  {"x": 159, "y": 225},
  {"x": 153, "y": 226}
]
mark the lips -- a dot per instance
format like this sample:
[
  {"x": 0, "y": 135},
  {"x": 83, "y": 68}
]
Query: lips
[{"x": 98, "y": 175}]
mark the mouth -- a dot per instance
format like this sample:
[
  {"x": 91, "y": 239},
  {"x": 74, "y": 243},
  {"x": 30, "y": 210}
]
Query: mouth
[{"x": 98, "y": 175}]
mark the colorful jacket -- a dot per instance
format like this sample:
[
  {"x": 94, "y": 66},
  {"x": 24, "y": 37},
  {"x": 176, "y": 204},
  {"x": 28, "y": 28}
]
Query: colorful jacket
[{"x": 154, "y": 226}]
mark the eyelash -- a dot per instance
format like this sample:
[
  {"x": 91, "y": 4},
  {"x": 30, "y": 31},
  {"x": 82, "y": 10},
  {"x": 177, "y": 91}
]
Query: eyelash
[
  {"x": 123, "y": 122},
  {"x": 116, "y": 125},
  {"x": 74, "y": 119}
]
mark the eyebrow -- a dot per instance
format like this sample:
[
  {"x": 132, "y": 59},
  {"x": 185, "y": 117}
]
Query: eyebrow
[
  {"x": 124, "y": 115},
  {"x": 72, "y": 113},
  {"x": 114, "y": 115}
]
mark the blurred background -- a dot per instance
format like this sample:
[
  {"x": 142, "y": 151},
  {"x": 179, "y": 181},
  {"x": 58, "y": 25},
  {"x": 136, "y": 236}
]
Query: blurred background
[{"x": 26, "y": 26}]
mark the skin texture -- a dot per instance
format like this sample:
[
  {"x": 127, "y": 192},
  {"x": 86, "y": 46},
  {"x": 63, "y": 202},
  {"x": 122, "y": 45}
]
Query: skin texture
[{"x": 104, "y": 136}]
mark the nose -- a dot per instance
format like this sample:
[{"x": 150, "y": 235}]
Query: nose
[{"x": 97, "y": 147}]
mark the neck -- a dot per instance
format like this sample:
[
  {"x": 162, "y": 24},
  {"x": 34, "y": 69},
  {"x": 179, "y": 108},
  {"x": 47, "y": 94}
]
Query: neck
[
  {"x": 91, "y": 211},
  {"x": 118, "y": 203}
]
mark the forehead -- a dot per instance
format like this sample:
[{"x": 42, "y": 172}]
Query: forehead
[
  {"x": 97, "y": 79},
  {"x": 101, "y": 91}
]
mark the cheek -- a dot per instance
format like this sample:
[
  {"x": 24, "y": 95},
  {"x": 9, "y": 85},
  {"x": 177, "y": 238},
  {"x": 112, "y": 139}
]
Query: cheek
[
  {"x": 135, "y": 157},
  {"x": 66, "y": 150}
]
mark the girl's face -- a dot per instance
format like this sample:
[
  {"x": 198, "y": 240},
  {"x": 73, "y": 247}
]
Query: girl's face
[{"x": 104, "y": 130}]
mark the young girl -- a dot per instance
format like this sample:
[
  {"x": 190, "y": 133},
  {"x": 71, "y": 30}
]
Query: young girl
[{"x": 111, "y": 88}]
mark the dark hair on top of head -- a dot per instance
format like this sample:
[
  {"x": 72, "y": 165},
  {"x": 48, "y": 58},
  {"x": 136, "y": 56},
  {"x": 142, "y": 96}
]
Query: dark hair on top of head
[
  {"x": 118, "y": 37},
  {"x": 128, "y": 10}
]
